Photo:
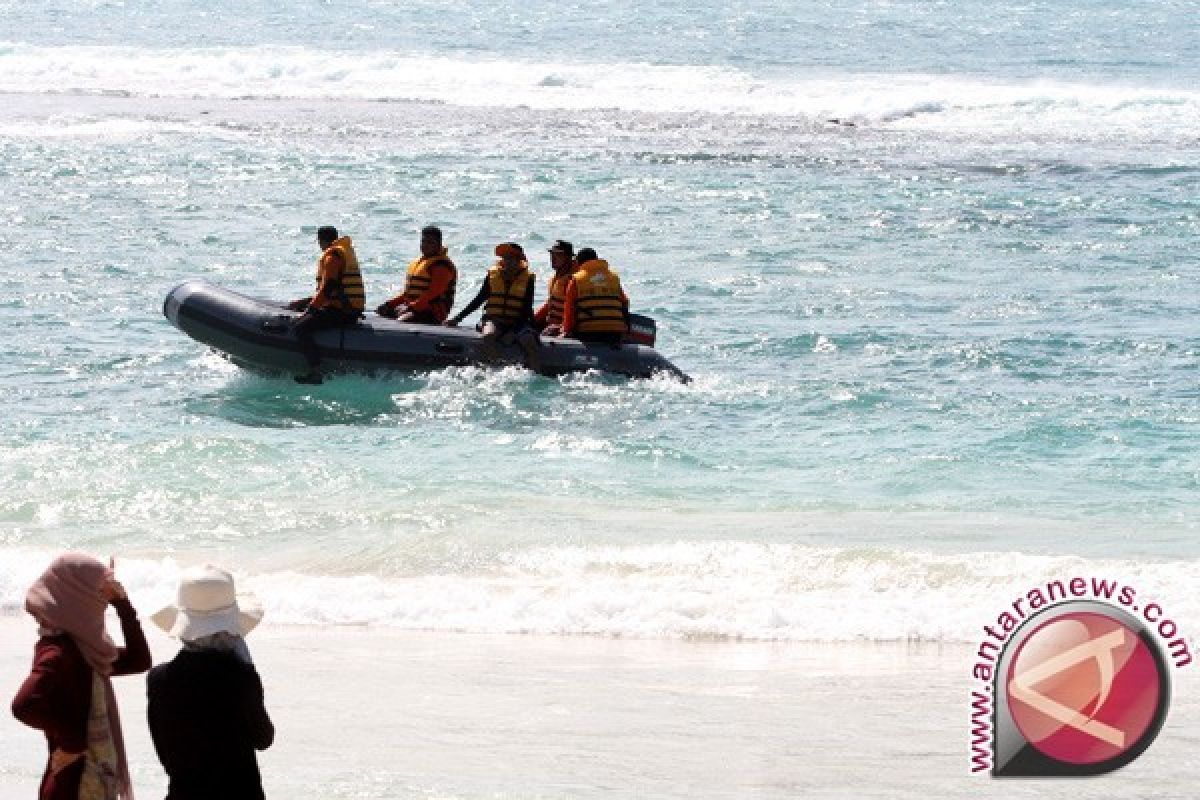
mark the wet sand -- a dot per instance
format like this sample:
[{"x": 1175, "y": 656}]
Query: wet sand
[{"x": 379, "y": 713}]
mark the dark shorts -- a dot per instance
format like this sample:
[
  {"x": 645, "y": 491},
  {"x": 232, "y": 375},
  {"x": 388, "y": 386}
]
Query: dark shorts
[{"x": 312, "y": 321}]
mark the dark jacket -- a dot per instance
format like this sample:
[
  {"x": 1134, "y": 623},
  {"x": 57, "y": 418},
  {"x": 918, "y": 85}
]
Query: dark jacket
[
  {"x": 207, "y": 719},
  {"x": 57, "y": 695}
]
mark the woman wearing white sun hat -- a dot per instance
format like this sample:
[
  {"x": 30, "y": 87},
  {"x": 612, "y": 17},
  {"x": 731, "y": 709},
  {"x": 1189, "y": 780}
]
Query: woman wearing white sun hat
[{"x": 205, "y": 706}]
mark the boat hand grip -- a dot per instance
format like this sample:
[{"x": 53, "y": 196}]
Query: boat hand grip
[
  {"x": 449, "y": 347},
  {"x": 275, "y": 326}
]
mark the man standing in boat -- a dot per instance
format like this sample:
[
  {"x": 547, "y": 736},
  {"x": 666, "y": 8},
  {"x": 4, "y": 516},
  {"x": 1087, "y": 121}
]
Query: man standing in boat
[
  {"x": 596, "y": 308},
  {"x": 429, "y": 285},
  {"x": 339, "y": 300}
]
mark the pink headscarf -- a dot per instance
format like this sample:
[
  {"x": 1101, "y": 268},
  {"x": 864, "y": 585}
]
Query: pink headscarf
[{"x": 68, "y": 597}]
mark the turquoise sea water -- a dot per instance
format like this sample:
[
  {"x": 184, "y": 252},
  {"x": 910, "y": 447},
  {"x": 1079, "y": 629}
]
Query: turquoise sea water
[{"x": 940, "y": 347}]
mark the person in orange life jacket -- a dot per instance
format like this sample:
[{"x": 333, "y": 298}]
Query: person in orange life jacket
[
  {"x": 339, "y": 300},
  {"x": 596, "y": 308},
  {"x": 508, "y": 292},
  {"x": 429, "y": 285},
  {"x": 548, "y": 319}
]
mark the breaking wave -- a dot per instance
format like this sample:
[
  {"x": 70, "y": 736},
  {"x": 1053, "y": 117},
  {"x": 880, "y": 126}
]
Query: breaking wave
[
  {"x": 736, "y": 590},
  {"x": 924, "y": 102}
]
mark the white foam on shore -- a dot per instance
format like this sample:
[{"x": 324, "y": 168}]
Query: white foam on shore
[
  {"x": 673, "y": 590},
  {"x": 911, "y": 101}
]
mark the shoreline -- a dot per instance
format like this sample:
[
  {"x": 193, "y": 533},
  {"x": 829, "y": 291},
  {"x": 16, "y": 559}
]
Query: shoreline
[{"x": 421, "y": 714}]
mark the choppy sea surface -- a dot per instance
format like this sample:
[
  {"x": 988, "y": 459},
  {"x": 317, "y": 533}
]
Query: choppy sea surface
[{"x": 932, "y": 266}]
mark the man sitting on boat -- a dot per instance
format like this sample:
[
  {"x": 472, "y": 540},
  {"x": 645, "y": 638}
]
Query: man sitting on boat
[
  {"x": 596, "y": 308},
  {"x": 508, "y": 291},
  {"x": 548, "y": 319},
  {"x": 339, "y": 299},
  {"x": 429, "y": 285}
]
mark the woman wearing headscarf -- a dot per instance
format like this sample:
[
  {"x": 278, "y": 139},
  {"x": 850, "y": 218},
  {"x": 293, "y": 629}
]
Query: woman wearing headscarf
[
  {"x": 68, "y": 694},
  {"x": 206, "y": 705}
]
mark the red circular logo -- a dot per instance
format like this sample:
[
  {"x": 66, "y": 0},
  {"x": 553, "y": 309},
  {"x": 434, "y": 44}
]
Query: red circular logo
[{"x": 1084, "y": 688}]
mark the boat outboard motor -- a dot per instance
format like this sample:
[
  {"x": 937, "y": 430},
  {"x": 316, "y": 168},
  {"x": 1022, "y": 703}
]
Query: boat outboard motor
[{"x": 642, "y": 330}]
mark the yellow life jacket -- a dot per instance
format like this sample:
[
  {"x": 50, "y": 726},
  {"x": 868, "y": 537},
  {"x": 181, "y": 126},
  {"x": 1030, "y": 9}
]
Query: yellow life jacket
[
  {"x": 348, "y": 292},
  {"x": 506, "y": 301},
  {"x": 420, "y": 276},
  {"x": 598, "y": 305},
  {"x": 557, "y": 299}
]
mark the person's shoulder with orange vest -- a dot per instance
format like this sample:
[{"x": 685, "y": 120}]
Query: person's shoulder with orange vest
[
  {"x": 333, "y": 261},
  {"x": 596, "y": 302}
]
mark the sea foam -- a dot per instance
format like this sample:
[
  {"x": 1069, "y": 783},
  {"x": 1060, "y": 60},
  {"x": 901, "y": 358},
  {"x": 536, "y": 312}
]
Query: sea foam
[
  {"x": 736, "y": 590},
  {"x": 946, "y": 103}
]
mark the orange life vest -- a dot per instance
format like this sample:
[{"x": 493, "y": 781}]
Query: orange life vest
[
  {"x": 348, "y": 292},
  {"x": 598, "y": 305},
  {"x": 506, "y": 301},
  {"x": 557, "y": 299},
  {"x": 419, "y": 278}
]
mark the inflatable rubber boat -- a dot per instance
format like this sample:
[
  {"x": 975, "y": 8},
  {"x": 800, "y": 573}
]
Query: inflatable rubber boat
[{"x": 257, "y": 335}]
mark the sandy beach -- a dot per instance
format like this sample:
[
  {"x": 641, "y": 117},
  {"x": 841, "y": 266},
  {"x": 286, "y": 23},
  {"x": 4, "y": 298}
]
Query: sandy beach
[
  {"x": 378, "y": 713},
  {"x": 930, "y": 266}
]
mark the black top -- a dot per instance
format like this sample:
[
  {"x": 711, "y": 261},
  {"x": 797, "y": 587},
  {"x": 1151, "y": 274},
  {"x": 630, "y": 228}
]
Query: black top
[
  {"x": 482, "y": 296},
  {"x": 207, "y": 719}
]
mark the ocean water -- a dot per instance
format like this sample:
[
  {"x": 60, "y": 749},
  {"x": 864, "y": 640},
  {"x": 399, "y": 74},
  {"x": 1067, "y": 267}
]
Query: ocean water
[{"x": 932, "y": 266}]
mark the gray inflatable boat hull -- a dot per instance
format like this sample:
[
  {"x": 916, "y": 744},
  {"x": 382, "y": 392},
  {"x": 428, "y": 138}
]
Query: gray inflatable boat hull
[{"x": 257, "y": 335}]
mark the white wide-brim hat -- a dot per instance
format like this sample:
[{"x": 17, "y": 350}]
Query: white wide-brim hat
[{"x": 208, "y": 604}]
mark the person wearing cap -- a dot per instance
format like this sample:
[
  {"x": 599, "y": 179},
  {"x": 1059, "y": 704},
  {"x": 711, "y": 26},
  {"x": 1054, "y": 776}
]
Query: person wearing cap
[
  {"x": 69, "y": 694},
  {"x": 205, "y": 706},
  {"x": 507, "y": 291},
  {"x": 548, "y": 319},
  {"x": 429, "y": 285},
  {"x": 596, "y": 308}
]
